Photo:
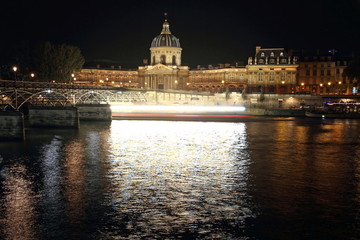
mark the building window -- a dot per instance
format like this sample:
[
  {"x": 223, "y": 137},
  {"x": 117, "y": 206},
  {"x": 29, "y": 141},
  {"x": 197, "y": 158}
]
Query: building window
[
  {"x": 272, "y": 76},
  {"x": 163, "y": 59},
  {"x": 283, "y": 76},
  {"x": 328, "y": 73},
  {"x": 337, "y": 71},
  {"x": 307, "y": 72},
  {"x": 261, "y": 76},
  {"x": 173, "y": 60},
  {"x": 322, "y": 72},
  {"x": 314, "y": 72}
]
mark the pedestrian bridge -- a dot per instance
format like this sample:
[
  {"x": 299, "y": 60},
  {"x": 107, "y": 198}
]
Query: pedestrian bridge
[
  {"x": 19, "y": 94},
  {"x": 14, "y": 95}
]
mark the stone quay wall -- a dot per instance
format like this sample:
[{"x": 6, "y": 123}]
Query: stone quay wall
[
  {"x": 54, "y": 117},
  {"x": 267, "y": 101},
  {"x": 94, "y": 112},
  {"x": 12, "y": 125}
]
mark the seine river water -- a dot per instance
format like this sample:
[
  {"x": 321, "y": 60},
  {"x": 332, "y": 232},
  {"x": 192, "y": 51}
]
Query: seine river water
[{"x": 264, "y": 178}]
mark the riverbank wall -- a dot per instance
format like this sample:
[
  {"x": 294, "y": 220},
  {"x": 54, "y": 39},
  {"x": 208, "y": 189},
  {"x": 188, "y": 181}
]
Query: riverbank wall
[{"x": 12, "y": 125}]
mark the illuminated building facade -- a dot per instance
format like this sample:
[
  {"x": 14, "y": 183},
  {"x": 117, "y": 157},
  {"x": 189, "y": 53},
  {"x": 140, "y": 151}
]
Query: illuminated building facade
[
  {"x": 107, "y": 77},
  {"x": 270, "y": 70},
  {"x": 323, "y": 74}
]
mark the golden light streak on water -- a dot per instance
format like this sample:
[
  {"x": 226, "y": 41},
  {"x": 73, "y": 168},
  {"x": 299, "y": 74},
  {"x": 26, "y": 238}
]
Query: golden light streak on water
[
  {"x": 19, "y": 221},
  {"x": 165, "y": 177}
]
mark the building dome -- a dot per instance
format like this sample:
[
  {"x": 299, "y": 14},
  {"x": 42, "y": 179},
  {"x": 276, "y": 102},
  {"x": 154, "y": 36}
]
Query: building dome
[{"x": 165, "y": 39}]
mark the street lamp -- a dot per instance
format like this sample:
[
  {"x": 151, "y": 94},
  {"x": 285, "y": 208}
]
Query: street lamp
[{"x": 15, "y": 69}]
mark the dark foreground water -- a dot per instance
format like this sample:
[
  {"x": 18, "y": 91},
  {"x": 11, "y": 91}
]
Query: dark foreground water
[{"x": 259, "y": 179}]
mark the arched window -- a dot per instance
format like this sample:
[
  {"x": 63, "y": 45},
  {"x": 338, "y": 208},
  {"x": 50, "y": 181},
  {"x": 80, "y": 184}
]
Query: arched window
[
  {"x": 163, "y": 59},
  {"x": 173, "y": 60}
]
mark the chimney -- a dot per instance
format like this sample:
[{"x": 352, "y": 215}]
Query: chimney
[{"x": 257, "y": 49}]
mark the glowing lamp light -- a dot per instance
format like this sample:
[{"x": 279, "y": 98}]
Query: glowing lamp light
[
  {"x": 72, "y": 75},
  {"x": 32, "y": 75},
  {"x": 329, "y": 83},
  {"x": 14, "y": 68},
  {"x": 283, "y": 82},
  {"x": 176, "y": 81},
  {"x": 321, "y": 84},
  {"x": 340, "y": 82},
  {"x": 302, "y": 84}
]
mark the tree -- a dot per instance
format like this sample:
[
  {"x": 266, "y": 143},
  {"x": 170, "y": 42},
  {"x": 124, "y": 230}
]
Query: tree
[
  {"x": 352, "y": 71},
  {"x": 57, "y": 62}
]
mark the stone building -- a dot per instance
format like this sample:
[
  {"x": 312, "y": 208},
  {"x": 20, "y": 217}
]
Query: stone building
[
  {"x": 107, "y": 77},
  {"x": 271, "y": 70},
  {"x": 165, "y": 71},
  {"x": 323, "y": 74}
]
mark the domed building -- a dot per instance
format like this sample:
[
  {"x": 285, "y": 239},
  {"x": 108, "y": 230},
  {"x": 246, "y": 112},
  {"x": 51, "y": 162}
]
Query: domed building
[
  {"x": 271, "y": 70},
  {"x": 165, "y": 71},
  {"x": 165, "y": 48}
]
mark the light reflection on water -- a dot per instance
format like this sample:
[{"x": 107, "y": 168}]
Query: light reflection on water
[
  {"x": 260, "y": 179},
  {"x": 186, "y": 178}
]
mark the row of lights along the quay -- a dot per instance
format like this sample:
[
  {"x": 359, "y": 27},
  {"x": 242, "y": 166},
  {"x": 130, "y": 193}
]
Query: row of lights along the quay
[
  {"x": 15, "y": 68},
  {"x": 321, "y": 84}
]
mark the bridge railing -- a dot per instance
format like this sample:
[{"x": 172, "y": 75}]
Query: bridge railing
[{"x": 49, "y": 85}]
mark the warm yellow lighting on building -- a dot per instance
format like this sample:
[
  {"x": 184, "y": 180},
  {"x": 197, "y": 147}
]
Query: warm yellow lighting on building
[
  {"x": 176, "y": 81},
  {"x": 222, "y": 81},
  {"x": 187, "y": 84},
  {"x": 302, "y": 84},
  {"x": 340, "y": 82},
  {"x": 329, "y": 83},
  {"x": 283, "y": 82},
  {"x": 321, "y": 84}
]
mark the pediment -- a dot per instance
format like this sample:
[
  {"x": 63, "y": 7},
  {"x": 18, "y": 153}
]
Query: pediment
[{"x": 160, "y": 67}]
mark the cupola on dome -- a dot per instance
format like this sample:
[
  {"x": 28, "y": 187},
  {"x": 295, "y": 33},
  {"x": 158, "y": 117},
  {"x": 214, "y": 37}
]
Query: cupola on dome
[{"x": 165, "y": 39}]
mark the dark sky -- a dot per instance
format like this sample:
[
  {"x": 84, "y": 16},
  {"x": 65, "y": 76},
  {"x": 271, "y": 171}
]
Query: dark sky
[{"x": 209, "y": 31}]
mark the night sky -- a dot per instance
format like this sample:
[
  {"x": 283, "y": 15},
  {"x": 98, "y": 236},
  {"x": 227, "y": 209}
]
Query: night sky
[{"x": 210, "y": 32}]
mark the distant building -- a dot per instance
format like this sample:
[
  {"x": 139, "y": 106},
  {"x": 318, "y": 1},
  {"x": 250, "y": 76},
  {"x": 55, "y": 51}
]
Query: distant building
[
  {"x": 323, "y": 73},
  {"x": 270, "y": 70}
]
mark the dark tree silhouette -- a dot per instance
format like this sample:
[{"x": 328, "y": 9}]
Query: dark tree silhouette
[
  {"x": 57, "y": 62},
  {"x": 352, "y": 71}
]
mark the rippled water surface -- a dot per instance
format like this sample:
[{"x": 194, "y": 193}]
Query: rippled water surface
[{"x": 265, "y": 178}]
